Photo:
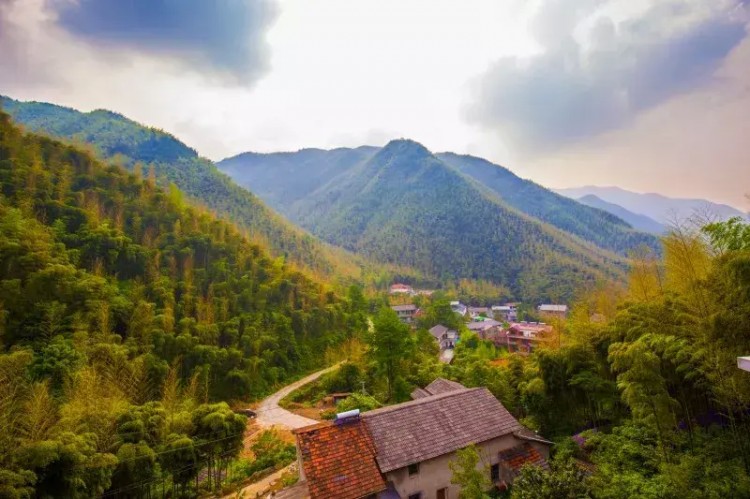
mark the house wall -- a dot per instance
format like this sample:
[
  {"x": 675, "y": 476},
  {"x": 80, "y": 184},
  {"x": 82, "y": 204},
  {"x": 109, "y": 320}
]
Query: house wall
[{"x": 434, "y": 474}]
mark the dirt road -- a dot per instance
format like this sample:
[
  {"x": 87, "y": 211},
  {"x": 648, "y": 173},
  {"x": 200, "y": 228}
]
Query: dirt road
[{"x": 269, "y": 413}]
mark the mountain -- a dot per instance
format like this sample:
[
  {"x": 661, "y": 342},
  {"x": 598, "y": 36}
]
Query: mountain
[
  {"x": 401, "y": 204},
  {"x": 590, "y": 224},
  {"x": 660, "y": 208},
  {"x": 640, "y": 222},
  {"x": 117, "y": 138},
  {"x": 282, "y": 178},
  {"x": 94, "y": 252}
]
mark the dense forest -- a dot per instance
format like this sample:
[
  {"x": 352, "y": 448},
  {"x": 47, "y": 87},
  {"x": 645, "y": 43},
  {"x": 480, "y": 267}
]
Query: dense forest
[
  {"x": 126, "y": 317},
  {"x": 405, "y": 206},
  {"x": 645, "y": 379},
  {"x": 590, "y": 224},
  {"x": 284, "y": 180},
  {"x": 114, "y": 137}
]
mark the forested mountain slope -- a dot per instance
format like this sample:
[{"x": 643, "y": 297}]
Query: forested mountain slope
[
  {"x": 285, "y": 179},
  {"x": 113, "y": 136},
  {"x": 90, "y": 249},
  {"x": 406, "y": 206},
  {"x": 124, "y": 314},
  {"x": 591, "y": 224}
]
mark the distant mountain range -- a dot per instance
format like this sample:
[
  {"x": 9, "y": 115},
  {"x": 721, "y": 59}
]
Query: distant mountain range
[
  {"x": 662, "y": 209},
  {"x": 444, "y": 214},
  {"x": 395, "y": 210},
  {"x": 640, "y": 222}
]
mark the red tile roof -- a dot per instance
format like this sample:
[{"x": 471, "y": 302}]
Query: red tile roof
[
  {"x": 516, "y": 457},
  {"x": 339, "y": 460}
]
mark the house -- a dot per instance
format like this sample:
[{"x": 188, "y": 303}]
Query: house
[
  {"x": 525, "y": 336},
  {"x": 405, "y": 313},
  {"x": 507, "y": 312},
  {"x": 399, "y": 288},
  {"x": 553, "y": 311},
  {"x": 445, "y": 337},
  {"x": 403, "y": 451},
  {"x": 476, "y": 312},
  {"x": 486, "y": 329},
  {"x": 459, "y": 308}
]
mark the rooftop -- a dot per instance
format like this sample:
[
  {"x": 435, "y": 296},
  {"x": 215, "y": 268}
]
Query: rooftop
[
  {"x": 404, "y": 308},
  {"x": 552, "y": 308},
  {"x": 436, "y": 425},
  {"x": 516, "y": 457},
  {"x": 339, "y": 460}
]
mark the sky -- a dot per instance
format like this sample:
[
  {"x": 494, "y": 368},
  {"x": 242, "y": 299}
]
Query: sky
[{"x": 648, "y": 95}]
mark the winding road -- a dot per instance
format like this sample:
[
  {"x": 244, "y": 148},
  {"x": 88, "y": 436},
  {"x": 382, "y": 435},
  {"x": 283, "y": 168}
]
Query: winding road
[{"x": 269, "y": 413}]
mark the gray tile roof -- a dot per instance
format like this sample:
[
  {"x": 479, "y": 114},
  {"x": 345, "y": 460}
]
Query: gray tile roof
[
  {"x": 442, "y": 385},
  {"x": 398, "y": 308},
  {"x": 438, "y": 331},
  {"x": 433, "y": 426},
  {"x": 419, "y": 393}
]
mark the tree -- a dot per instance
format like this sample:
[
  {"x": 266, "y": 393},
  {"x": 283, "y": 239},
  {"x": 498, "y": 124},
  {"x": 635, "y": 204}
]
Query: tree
[
  {"x": 391, "y": 343},
  {"x": 564, "y": 480},
  {"x": 473, "y": 480}
]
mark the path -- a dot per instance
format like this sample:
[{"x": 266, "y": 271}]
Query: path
[{"x": 269, "y": 413}]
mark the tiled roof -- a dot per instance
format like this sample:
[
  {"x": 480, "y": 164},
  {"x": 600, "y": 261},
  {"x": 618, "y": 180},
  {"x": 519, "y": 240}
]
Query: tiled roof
[
  {"x": 438, "y": 331},
  {"x": 399, "y": 308},
  {"x": 433, "y": 426},
  {"x": 442, "y": 385},
  {"x": 339, "y": 460},
  {"x": 516, "y": 457},
  {"x": 482, "y": 325},
  {"x": 419, "y": 393}
]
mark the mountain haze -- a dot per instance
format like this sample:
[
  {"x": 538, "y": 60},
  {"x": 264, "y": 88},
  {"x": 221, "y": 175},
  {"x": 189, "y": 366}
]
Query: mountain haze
[
  {"x": 640, "y": 222},
  {"x": 660, "y": 208}
]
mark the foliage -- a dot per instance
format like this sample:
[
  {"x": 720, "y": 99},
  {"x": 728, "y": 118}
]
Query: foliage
[
  {"x": 474, "y": 482},
  {"x": 564, "y": 480},
  {"x": 391, "y": 344},
  {"x": 358, "y": 401},
  {"x": 125, "y": 315}
]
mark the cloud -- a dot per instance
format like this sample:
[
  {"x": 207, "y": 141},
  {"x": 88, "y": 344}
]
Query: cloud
[
  {"x": 576, "y": 88},
  {"x": 227, "y": 36}
]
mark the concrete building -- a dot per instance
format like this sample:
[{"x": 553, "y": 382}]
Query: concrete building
[
  {"x": 404, "y": 451},
  {"x": 445, "y": 337},
  {"x": 553, "y": 311}
]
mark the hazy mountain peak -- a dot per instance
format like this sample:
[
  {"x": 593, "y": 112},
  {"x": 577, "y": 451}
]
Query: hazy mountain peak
[{"x": 405, "y": 146}]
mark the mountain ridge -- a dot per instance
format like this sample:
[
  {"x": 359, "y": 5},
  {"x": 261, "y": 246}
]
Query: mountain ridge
[{"x": 661, "y": 208}]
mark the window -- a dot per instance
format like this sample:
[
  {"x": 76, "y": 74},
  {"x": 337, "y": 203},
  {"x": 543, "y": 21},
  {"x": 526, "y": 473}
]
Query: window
[
  {"x": 418, "y": 495},
  {"x": 413, "y": 469},
  {"x": 495, "y": 473},
  {"x": 442, "y": 493}
]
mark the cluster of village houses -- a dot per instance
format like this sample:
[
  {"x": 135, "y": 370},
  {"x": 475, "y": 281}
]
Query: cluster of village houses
[
  {"x": 498, "y": 324},
  {"x": 404, "y": 451}
]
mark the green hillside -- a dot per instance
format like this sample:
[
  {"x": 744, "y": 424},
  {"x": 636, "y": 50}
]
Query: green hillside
[
  {"x": 127, "y": 317},
  {"x": 406, "y": 206},
  {"x": 115, "y": 137},
  {"x": 591, "y": 224}
]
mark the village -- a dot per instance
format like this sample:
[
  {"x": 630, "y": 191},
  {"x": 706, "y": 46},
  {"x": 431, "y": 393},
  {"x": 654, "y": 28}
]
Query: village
[{"x": 498, "y": 324}]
